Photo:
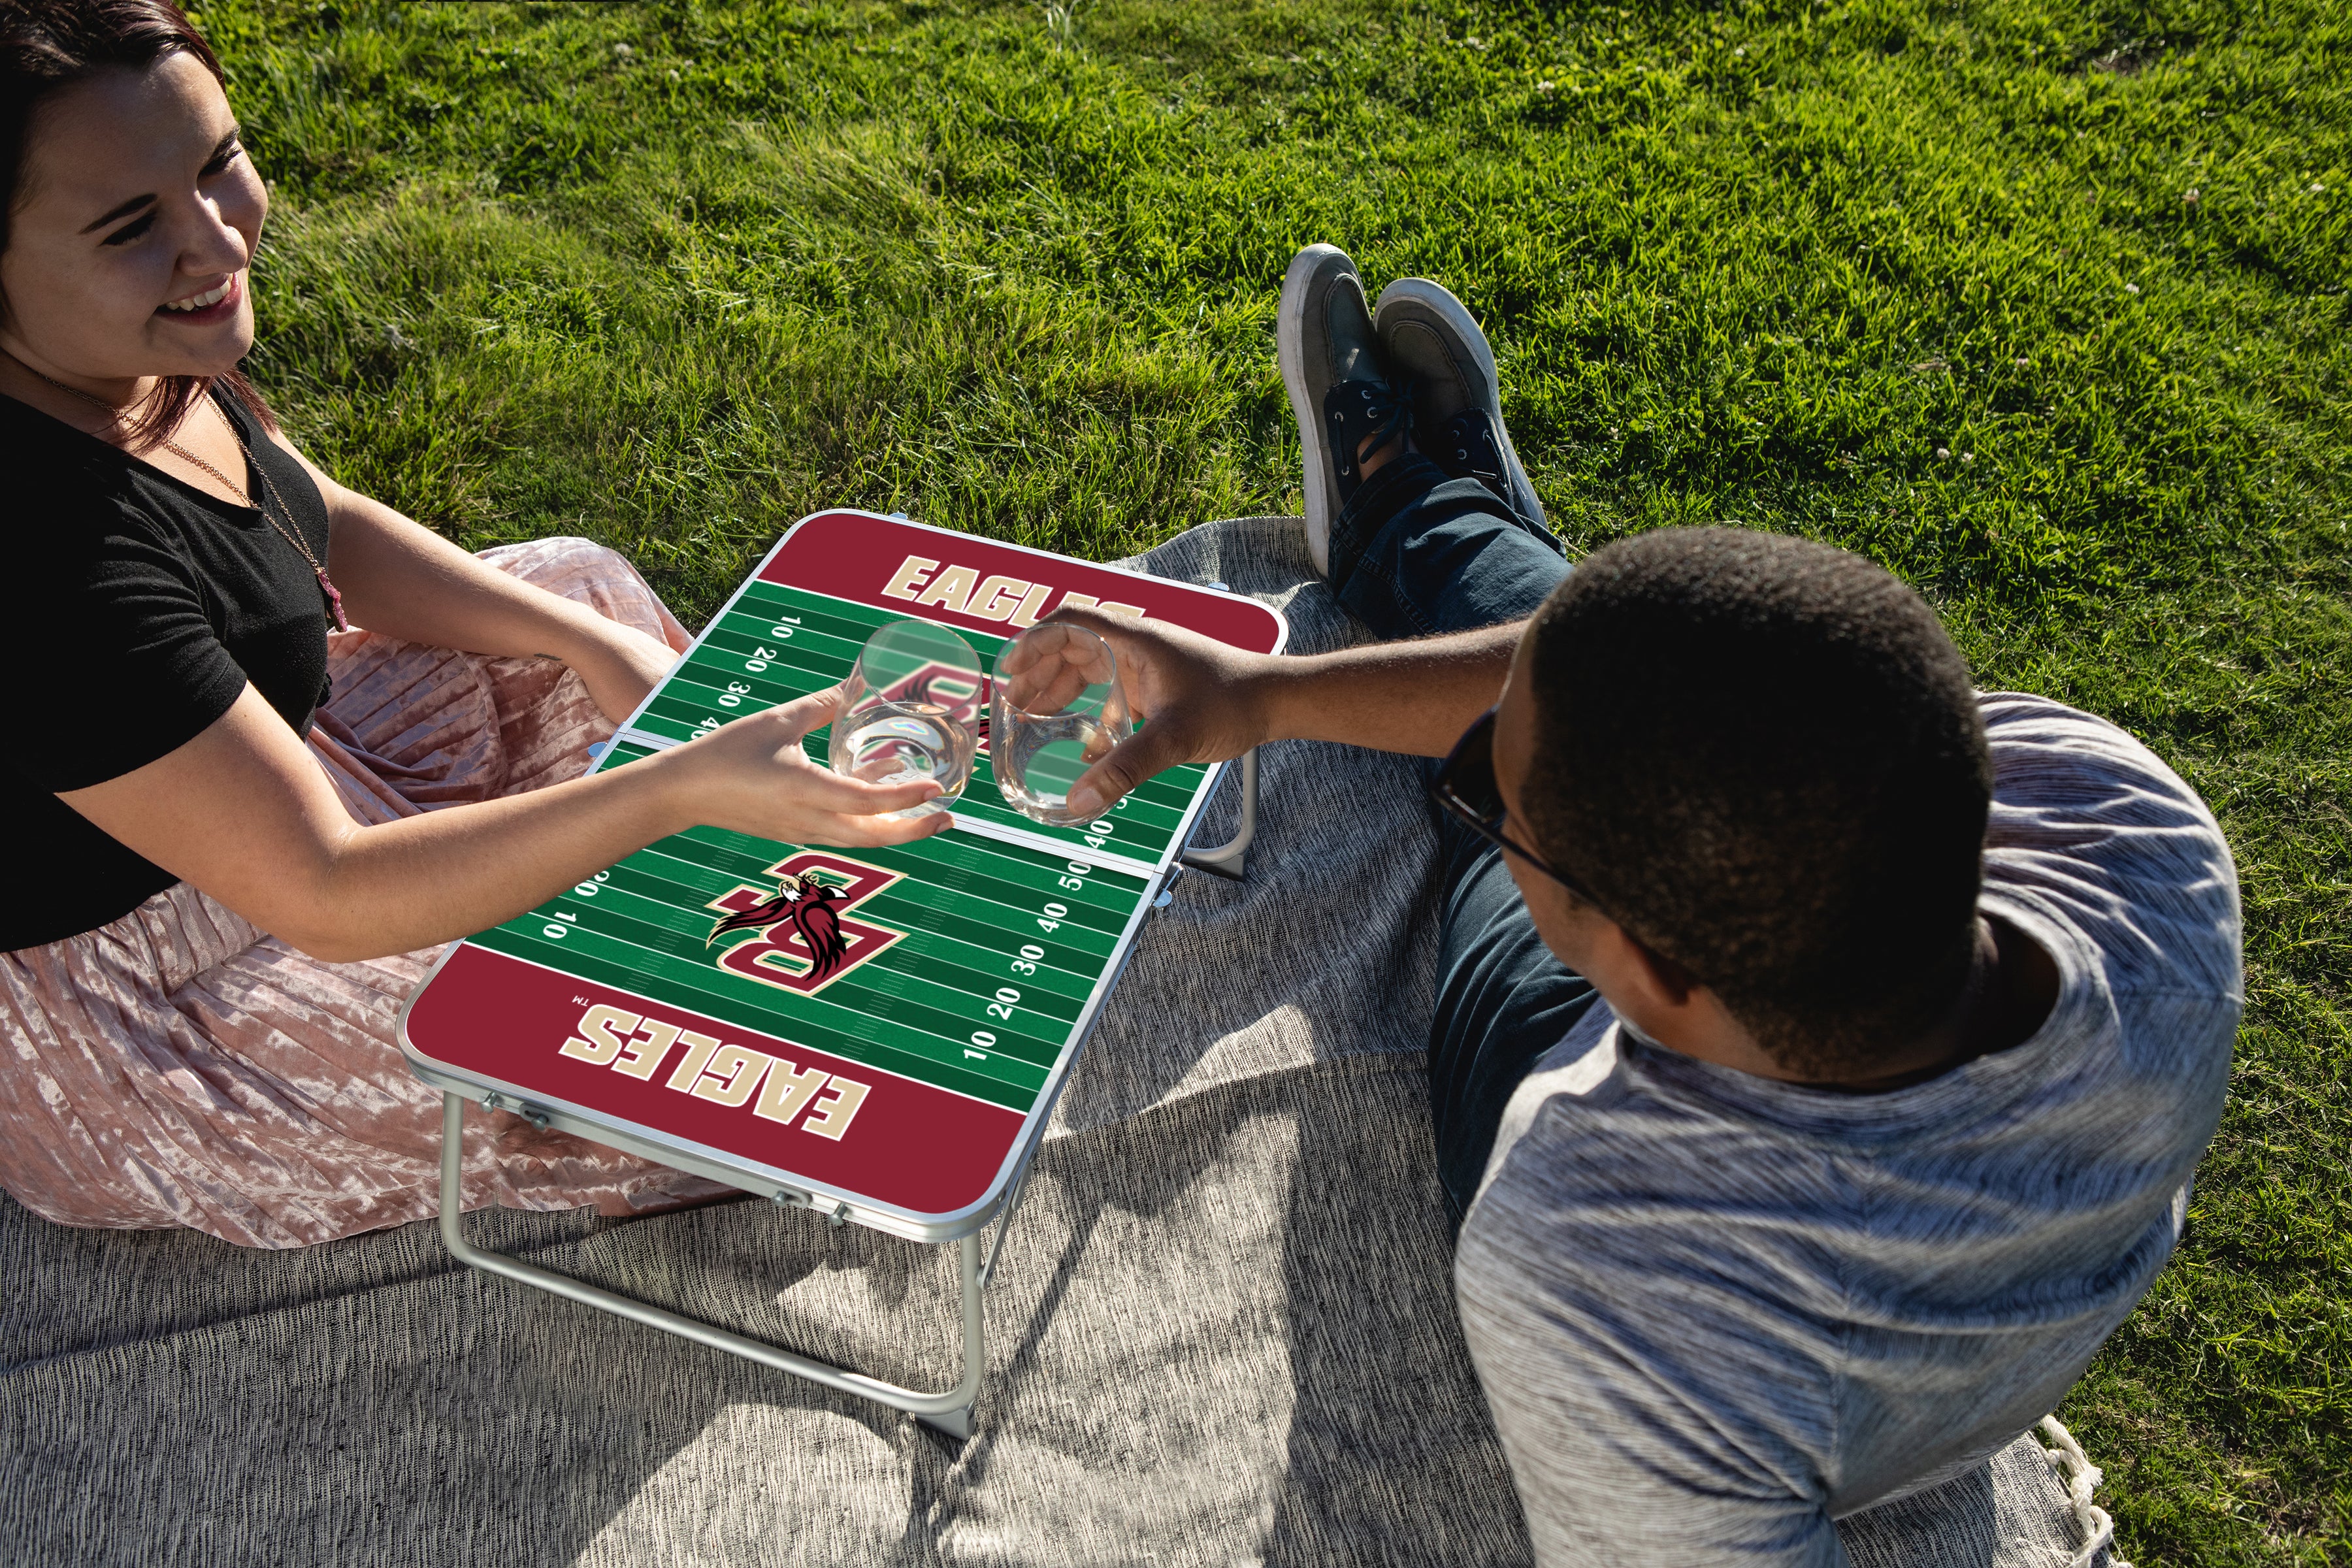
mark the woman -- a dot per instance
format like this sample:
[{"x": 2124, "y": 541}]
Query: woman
[{"x": 240, "y": 835}]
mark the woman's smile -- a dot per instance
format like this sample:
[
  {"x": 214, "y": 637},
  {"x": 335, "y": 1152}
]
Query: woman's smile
[{"x": 217, "y": 303}]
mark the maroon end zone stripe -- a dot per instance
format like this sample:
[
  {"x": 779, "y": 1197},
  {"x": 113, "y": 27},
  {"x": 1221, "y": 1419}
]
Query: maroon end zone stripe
[
  {"x": 910, "y": 1145},
  {"x": 852, "y": 555}
]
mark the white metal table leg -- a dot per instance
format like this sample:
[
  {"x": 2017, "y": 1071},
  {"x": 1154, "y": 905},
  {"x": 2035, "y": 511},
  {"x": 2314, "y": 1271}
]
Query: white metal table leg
[
  {"x": 949, "y": 1412},
  {"x": 1229, "y": 859}
]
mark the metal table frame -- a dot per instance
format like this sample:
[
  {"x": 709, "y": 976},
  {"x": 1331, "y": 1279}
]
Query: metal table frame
[{"x": 949, "y": 1412}]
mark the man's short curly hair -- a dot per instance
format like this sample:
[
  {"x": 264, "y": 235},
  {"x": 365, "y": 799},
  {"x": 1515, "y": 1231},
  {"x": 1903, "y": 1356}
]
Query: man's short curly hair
[{"x": 1764, "y": 757}]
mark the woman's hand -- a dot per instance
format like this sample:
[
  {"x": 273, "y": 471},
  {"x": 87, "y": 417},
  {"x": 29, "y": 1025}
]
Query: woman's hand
[
  {"x": 619, "y": 665},
  {"x": 753, "y": 777}
]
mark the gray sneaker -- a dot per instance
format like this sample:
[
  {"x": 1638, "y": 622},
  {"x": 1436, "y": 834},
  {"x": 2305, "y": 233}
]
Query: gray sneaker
[
  {"x": 1338, "y": 380},
  {"x": 1436, "y": 346}
]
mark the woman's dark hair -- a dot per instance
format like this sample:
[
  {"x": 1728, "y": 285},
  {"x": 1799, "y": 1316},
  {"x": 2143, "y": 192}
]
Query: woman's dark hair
[{"x": 46, "y": 45}]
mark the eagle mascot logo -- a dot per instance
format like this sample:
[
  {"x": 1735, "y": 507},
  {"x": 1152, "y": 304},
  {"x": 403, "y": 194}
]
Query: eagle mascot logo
[{"x": 807, "y": 903}]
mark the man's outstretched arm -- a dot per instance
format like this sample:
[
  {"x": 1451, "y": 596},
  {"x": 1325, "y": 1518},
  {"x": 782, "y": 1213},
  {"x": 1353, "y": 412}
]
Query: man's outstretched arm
[{"x": 1207, "y": 702}]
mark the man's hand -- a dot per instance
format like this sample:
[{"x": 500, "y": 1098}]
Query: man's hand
[
  {"x": 1208, "y": 702},
  {"x": 1204, "y": 701}
]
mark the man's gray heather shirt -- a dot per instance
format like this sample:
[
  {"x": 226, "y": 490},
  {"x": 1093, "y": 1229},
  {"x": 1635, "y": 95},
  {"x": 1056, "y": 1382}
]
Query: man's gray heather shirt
[{"x": 1715, "y": 1312}]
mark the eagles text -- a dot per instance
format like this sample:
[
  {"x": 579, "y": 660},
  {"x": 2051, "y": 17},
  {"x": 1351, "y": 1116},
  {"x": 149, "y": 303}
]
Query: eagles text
[
  {"x": 995, "y": 598},
  {"x": 731, "y": 1076}
]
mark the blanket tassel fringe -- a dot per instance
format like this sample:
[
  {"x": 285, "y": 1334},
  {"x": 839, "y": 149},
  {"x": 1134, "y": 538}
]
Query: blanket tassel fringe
[{"x": 2074, "y": 1467}]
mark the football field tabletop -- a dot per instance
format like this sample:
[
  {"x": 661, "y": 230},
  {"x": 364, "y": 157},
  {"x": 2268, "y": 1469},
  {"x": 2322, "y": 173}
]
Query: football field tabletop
[{"x": 880, "y": 1032}]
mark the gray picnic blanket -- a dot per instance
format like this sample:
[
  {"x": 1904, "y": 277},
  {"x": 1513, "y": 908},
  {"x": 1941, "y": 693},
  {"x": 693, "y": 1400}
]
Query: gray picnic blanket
[{"x": 1222, "y": 1331}]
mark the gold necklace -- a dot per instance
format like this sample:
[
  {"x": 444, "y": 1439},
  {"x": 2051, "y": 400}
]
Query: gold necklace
[{"x": 291, "y": 535}]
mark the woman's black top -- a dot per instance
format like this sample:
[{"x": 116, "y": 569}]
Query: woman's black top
[{"x": 140, "y": 607}]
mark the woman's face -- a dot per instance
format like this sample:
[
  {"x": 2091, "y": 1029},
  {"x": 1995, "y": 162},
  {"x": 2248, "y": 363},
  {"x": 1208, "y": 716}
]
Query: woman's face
[{"x": 136, "y": 218}]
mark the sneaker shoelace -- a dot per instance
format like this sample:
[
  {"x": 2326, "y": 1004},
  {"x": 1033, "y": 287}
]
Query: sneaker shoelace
[{"x": 1365, "y": 414}]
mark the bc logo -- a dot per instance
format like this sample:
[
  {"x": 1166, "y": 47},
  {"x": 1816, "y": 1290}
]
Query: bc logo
[
  {"x": 949, "y": 690},
  {"x": 806, "y": 938}
]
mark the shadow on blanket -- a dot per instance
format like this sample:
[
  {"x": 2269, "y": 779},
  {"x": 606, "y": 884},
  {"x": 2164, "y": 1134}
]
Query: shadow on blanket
[{"x": 1223, "y": 1330}]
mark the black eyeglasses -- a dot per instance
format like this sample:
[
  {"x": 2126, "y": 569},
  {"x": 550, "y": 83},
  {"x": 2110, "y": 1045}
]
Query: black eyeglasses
[{"x": 1465, "y": 787}]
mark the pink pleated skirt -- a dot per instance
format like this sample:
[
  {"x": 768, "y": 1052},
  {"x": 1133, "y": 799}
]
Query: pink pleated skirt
[{"x": 181, "y": 1067}]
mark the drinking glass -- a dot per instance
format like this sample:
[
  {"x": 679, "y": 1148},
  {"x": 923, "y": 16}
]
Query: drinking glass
[
  {"x": 911, "y": 709},
  {"x": 1056, "y": 709}
]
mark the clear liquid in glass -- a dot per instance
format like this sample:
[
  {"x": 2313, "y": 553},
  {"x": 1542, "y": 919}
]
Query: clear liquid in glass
[
  {"x": 1056, "y": 709},
  {"x": 1040, "y": 759},
  {"x": 904, "y": 743}
]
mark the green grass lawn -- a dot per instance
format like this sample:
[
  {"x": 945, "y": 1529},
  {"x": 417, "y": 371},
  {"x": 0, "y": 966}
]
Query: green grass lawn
[{"x": 2040, "y": 304}]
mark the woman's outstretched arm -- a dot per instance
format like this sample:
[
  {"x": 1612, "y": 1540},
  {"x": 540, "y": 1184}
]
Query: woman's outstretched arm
[
  {"x": 400, "y": 578},
  {"x": 244, "y": 812}
]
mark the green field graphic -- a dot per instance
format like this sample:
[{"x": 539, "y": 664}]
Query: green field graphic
[
  {"x": 989, "y": 952},
  {"x": 774, "y": 644}
]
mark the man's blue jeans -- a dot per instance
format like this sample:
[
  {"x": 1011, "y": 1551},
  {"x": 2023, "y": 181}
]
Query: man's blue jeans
[{"x": 1414, "y": 555}]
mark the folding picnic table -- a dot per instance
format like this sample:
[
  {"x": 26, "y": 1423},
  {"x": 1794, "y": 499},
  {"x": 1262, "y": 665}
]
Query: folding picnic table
[{"x": 900, "y": 1077}]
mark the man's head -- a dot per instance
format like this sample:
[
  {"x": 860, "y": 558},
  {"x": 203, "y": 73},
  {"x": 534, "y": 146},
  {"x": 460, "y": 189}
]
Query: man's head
[{"x": 1764, "y": 758}]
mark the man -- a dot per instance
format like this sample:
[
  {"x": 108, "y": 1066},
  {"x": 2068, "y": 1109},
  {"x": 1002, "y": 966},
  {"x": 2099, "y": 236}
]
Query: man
[{"x": 1822, "y": 1051}]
